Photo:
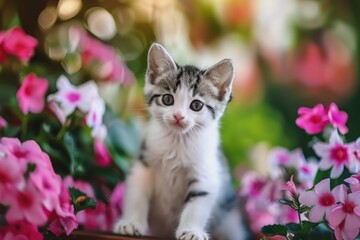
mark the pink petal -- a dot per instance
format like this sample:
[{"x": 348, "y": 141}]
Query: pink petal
[
  {"x": 336, "y": 171},
  {"x": 325, "y": 164},
  {"x": 317, "y": 214},
  {"x": 14, "y": 215},
  {"x": 352, "y": 180},
  {"x": 340, "y": 193},
  {"x": 336, "y": 216},
  {"x": 36, "y": 215},
  {"x": 351, "y": 226},
  {"x": 323, "y": 186},
  {"x": 355, "y": 197},
  {"x": 357, "y": 210},
  {"x": 335, "y": 138},
  {"x": 309, "y": 198},
  {"x": 304, "y": 110},
  {"x": 321, "y": 149},
  {"x": 352, "y": 221}
]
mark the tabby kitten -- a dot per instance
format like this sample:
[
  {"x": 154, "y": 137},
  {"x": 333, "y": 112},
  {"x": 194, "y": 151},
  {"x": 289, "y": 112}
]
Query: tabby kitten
[{"x": 180, "y": 185}]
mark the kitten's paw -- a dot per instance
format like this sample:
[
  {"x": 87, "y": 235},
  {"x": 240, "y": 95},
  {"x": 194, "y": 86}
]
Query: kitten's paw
[
  {"x": 191, "y": 235},
  {"x": 129, "y": 228}
]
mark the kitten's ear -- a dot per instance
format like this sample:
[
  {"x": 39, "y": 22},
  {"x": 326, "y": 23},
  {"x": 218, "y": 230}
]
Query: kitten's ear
[
  {"x": 159, "y": 61},
  {"x": 221, "y": 75}
]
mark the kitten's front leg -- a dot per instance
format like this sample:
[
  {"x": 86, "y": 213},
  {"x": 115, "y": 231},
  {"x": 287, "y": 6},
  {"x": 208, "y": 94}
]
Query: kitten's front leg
[
  {"x": 138, "y": 190},
  {"x": 198, "y": 206}
]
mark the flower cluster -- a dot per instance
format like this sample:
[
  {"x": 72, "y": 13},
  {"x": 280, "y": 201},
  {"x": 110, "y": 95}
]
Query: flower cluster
[
  {"x": 333, "y": 195},
  {"x": 314, "y": 120},
  {"x": 263, "y": 192},
  {"x": 51, "y": 134},
  {"x": 339, "y": 207},
  {"x": 31, "y": 190}
]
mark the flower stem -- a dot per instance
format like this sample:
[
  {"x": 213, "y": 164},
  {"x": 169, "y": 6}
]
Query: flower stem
[{"x": 62, "y": 131}]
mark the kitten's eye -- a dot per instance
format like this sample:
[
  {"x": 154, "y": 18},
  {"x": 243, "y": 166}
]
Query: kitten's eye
[
  {"x": 196, "y": 105},
  {"x": 168, "y": 100}
]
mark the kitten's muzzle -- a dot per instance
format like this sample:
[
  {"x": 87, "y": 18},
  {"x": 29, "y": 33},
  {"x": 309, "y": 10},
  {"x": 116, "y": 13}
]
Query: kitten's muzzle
[{"x": 178, "y": 117}]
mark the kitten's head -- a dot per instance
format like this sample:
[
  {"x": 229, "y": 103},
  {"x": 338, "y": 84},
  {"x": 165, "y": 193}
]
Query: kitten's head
[{"x": 185, "y": 98}]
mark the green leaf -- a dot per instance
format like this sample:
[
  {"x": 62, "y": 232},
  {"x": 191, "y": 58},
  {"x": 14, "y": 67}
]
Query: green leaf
[
  {"x": 321, "y": 175},
  {"x": 124, "y": 136},
  {"x": 11, "y": 131},
  {"x": 69, "y": 143},
  {"x": 121, "y": 162},
  {"x": 292, "y": 227},
  {"x": 273, "y": 230},
  {"x": 287, "y": 202},
  {"x": 307, "y": 226},
  {"x": 80, "y": 200},
  {"x": 340, "y": 180}
]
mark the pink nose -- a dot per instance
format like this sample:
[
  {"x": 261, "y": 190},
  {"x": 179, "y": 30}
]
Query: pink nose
[{"x": 178, "y": 117}]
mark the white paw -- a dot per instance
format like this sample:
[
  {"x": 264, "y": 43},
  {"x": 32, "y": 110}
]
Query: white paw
[
  {"x": 129, "y": 228},
  {"x": 191, "y": 235}
]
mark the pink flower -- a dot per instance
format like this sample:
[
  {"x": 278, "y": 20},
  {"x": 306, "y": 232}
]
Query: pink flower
[
  {"x": 48, "y": 184},
  {"x": 31, "y": 94},
  {"x": 307, "y": 171},
  {"x": 100, "y": 218},
  {"x": 27, "y": 205},
  {"x": 280, "y": 158},
  {"x": 102, "y": 155},
  {"x": 11, "y": 178},
  {"x": 336, "y": 154},
  {"x": 17, "y": 43},
  {"x": 252, "y": 185},
  {"x": 354, "y": 182},
  {"x": 3, "y": 122},
  {"x": 338, "y": 118},
  {"x": 117, "y": 199},
  {"x": 71, "y": 97},
  {"x": 94, "y": 118},
  {"x": 65, "y": 217},
  {"x": 290, "y": 187},
  {"x": 102, "y": 60},
  {"x": 322, "y": 200},
  {"x": 312, "y": 120},
  {"x": 26, "y": 152},
  {"x": 288, "y": 215},
  {"x": 20, "y": 231},
  {"x": 345, "y": 218}
]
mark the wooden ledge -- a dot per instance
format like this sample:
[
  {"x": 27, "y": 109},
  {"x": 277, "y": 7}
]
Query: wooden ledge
[{"x": 97, "y": 235}]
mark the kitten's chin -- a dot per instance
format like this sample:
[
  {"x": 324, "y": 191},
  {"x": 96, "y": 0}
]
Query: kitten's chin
[{"x": 178, "y": 128}]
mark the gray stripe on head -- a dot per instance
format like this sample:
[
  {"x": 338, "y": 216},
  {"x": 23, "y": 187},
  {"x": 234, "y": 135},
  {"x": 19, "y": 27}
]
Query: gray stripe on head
[
  {"x": 178, "y": 79},
  {"x": 151, "y": 98}
]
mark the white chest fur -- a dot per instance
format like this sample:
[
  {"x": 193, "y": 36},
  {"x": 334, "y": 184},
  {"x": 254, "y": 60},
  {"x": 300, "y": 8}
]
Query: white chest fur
[{"x": 176, "y": 162}]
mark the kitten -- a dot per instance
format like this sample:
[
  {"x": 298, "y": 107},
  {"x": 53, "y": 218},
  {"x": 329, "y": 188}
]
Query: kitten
[{"x": 180, "y": 185}]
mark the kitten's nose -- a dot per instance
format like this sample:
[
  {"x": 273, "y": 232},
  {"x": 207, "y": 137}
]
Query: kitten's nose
[{"x": 178, "y": 117}]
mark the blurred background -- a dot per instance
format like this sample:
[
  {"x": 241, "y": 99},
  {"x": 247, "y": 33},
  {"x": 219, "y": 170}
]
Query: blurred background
[{"x": 287, "y": 54}]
